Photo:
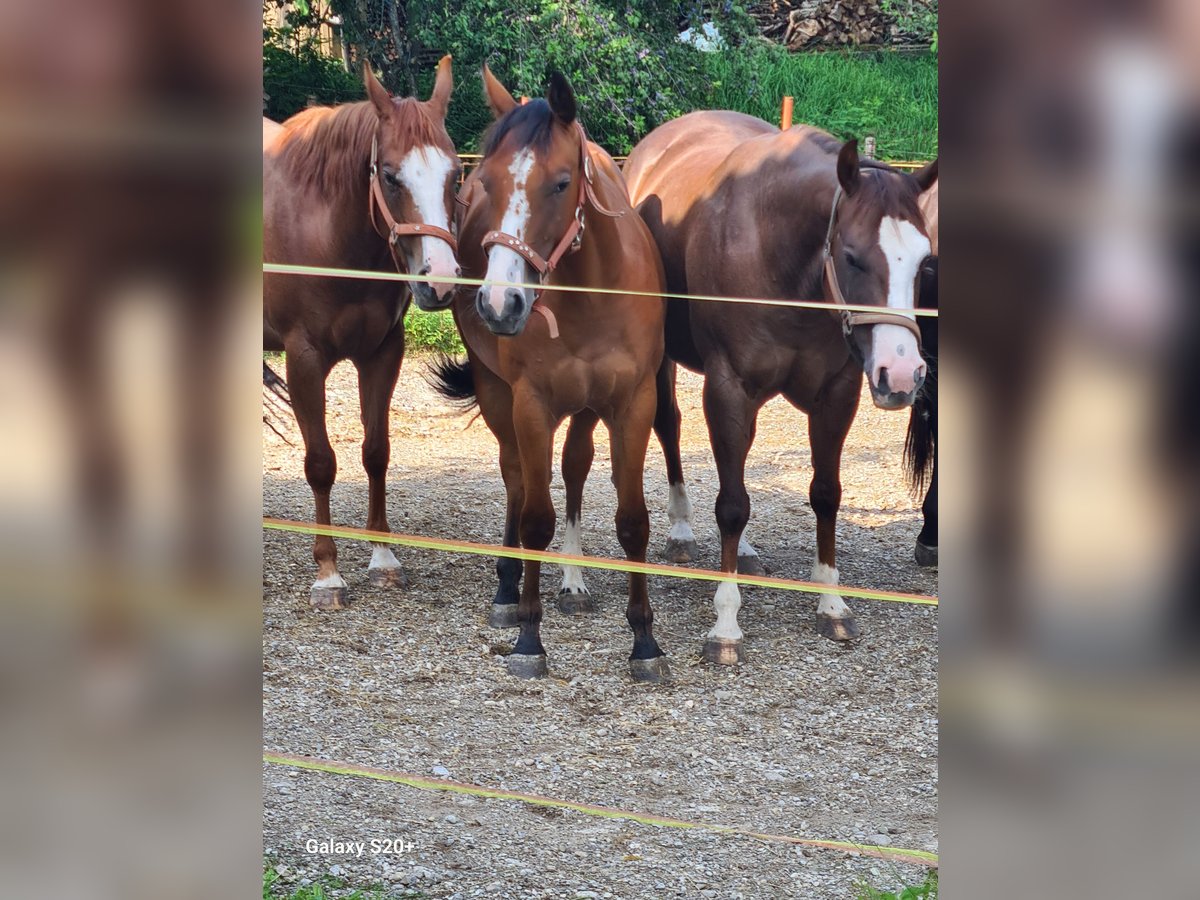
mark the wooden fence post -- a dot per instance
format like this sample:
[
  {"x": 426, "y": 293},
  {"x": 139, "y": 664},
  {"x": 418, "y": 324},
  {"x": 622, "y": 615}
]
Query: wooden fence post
[
  {"x": 524, "y": 100},
  {"x": 785, "y": 116},
  {"x": 869, "y": 147}
]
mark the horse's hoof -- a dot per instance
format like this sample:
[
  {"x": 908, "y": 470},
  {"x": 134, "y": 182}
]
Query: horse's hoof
[
  {"x": 503, "y": 615},
  {"x": 328, "y": 599},
  {"x": 521, "y": 665},
  {"x": 389, "y": 577},
  {"x": 750, "y": 565},
  {"x": 723, "y": 651},
  {"x": 680, "y": 551},
  {"x": 926, "y": 556},
  {"x": 651, "y": 671},
  {"x": 837, "y": 629},
  {"x": 571, "y": 603}
]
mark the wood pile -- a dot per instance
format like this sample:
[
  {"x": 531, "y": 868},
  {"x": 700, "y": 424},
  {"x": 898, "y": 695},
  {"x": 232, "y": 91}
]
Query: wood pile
[{"x": 821, "y": 24}]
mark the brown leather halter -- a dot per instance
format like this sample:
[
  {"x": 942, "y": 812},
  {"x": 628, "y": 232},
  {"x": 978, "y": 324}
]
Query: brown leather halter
[
  {"x": 851, "y": 318},
  {"x": 568, "y": 243},
  {"x": 396, "y": 230}
]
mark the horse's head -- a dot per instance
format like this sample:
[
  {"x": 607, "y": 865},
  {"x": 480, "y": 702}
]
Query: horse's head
[
  {"x": 531, "y": 177},
  {"x": 416, "y": 170},
  {"x": 878, "y": 241}
]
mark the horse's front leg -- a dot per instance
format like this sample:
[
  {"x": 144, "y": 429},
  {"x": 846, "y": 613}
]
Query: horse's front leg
[
  {"x": 630, "y": 431},
  {"x": 534, "y": 427},
  {"x": 828, "y": 425},
  {"x": 306, "y": 373},
  {"x": 578, "y": 452},
  {"x": 376, "y": 383}
]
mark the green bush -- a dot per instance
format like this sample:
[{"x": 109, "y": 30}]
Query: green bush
[
  {"x": 295, "y": 70},
  {"x": 890, "y": 95},
  {"x": 432, "y": 331}
]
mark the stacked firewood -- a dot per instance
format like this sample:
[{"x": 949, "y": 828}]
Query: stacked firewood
[{"x": 809, "y": 24}]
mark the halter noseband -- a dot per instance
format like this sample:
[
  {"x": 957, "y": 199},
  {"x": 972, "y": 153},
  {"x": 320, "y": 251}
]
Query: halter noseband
[
  {"x": 396, "y": 230},
  {"x": 851, "y": 318},
  {"x": 571, "y": 240}
]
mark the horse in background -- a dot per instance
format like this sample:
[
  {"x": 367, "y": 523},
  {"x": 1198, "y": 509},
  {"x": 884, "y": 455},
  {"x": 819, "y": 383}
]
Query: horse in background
[
  {"x": 739, "y": 208},
  {"x": 367, "y": 185},
  {"x": 548, "y": 206},
  {"x": 920, "y": 443}
]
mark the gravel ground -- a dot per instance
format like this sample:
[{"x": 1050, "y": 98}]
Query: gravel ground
[{"x": 806, "y": 738}]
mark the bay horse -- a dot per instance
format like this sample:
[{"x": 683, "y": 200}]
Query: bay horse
[
  {"x": 365, "y": 185},
  {"x": 920, "y": 443},
  {"x": 740, "y": 208},
  {"x": 547, "y": 206}
]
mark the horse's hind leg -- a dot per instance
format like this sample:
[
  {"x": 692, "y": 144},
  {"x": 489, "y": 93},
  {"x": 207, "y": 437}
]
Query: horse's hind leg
[
  {"x": 376, "y": 383},
  {"x": 306, "y": 373},
  {"x": 732, "y": 418},
  {"x": 681, "y": 540},
  {"x": 927, "y": 541},
  {"x": 630, "y": 432},
  {"x": 578, "y": 452},
  {"x": 828, "y": 425}
]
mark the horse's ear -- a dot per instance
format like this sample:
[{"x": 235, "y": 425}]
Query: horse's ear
[
  {"x": 561, "y": 98},
  {"x": 443, "y": 85},
  {"x": 927, "y": 177},
  {"x": 377, "y": 92},
  {"x": 847, "y": 166},
  {"x": 498, "y": 97}
]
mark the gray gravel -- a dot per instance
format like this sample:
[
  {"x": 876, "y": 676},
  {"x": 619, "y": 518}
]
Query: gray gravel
[{"x": 806, "y": 738}]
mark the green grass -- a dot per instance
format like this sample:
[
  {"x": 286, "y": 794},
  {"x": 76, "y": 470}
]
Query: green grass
[
  {"x": 891, "y": 95},
  {"x": 927, "y": 890},
  {"x": 325, "y": 888}
]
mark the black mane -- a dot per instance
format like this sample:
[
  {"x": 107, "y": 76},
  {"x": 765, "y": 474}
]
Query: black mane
[{"x": 530, "y": 124}]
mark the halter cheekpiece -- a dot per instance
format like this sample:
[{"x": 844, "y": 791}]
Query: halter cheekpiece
[
  {"x": 851, "y": 318},
  {"x": 396, "y": 230}
]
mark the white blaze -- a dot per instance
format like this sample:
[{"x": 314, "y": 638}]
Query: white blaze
[
  {"x": 505, "y": 264},
  {"x": 573, "y": 575},
  {"x": 424, "y": 173},
  {"x": 893, "y": 347}
]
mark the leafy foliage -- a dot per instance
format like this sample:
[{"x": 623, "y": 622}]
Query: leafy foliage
[
  {"x": 295, "y": 69},
  {"x": 916, "y": 17},
  {"x": 432, "y": 331},
  {"x": 928, "y": 890}
]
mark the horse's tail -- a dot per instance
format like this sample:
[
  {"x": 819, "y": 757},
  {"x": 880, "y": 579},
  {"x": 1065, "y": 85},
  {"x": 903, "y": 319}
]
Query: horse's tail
[
  {"x": 452, "y": 379},
  {"x": 922, "y": 431}
]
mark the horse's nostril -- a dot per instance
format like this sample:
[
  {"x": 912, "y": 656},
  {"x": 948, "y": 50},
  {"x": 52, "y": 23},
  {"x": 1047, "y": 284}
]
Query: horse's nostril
[
  {"x": 425, "y": 270},
  {"x": 513, "y": 296}
]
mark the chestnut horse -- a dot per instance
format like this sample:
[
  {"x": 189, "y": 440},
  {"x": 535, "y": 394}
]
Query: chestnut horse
[
  {"x": 366, "y": 185},
  {"x": 739, "y": 208},
  {"x": 547, "y": 206}
]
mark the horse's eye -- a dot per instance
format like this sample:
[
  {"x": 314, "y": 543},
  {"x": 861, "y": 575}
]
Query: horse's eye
[
  {"x": 390, "y": 179},
  {"x": 562, "y": 185},
  {"x": 853, "y": 260}
]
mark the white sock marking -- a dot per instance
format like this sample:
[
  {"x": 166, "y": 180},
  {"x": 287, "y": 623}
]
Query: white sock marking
[
  {"x": 831, "y": 605},
  {"x": 330, "y": 581},
  {"x": 382, "y": 557},
  {"x": 679, "y": 512},
  {"x": 727, "y": 602},
  {"x": 573, "y": 575}
]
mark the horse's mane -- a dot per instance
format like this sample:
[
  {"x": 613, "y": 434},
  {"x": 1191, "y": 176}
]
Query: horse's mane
[
  {"x": 319, "y": 145},
  {"x": 531, "y": 125}
]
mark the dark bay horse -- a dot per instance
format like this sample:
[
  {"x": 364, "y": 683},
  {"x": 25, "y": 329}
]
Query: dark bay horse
[
  {"x": 366, "y": 185},
  {"x": 547, "y": 206},
  {"x": 920, "y": 444},
  {"x": 739, "y": 208}
]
